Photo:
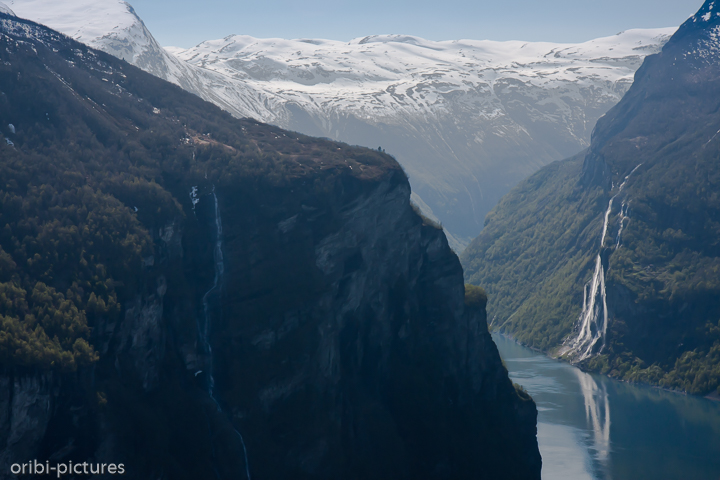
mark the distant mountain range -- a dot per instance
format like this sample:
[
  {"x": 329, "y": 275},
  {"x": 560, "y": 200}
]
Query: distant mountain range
[
  {"x": 467, "y": 119},
  {"x": 611, "y": 258}
]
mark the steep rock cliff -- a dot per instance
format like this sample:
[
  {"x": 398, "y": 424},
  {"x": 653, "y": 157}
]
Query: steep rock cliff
[
  {"x": 347, "y": 323},
  {"x": 197, "y": 296}
]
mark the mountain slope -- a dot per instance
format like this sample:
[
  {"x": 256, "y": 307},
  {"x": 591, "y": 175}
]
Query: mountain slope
[
  {"x": 611, "y": 258},
  {"x": 113, "y": 27},
  {"x": 466, "y": 119},
  {"x": 192, "y": 295}
]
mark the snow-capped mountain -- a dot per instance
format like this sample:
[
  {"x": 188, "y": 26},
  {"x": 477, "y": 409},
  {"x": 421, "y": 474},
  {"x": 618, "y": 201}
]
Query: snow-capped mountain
[
  {"x": 5, "y": 9},
  {"x": 113, "y": 27},
  {"x": 467, "y": 119}
]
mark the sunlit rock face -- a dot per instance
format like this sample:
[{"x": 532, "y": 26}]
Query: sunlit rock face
[{"x": 606, "y": 257}]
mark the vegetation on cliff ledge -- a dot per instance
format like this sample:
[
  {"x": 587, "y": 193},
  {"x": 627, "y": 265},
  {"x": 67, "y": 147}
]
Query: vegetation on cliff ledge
[{"x": 96, "y": 157}]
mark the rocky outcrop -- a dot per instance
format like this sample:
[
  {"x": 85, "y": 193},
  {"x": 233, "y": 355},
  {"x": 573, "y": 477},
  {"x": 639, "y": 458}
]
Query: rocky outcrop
[
  {"x": 143, "y": 335},
  {"x": 272, "y": 305},
  {"x": 349, "y": 328},
  {"x": 25, "y": 411}
]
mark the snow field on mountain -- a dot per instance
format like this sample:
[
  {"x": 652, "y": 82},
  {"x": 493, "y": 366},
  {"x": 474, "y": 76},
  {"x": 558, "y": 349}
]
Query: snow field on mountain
[
  {"x": 84, "y": 20},
  {"x": 467, "y": 119},
  {"x": 383, "y": 74}
]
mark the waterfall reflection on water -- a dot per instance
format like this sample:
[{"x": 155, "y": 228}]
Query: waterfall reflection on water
[
  {"x": 653, "y": 435},
  {"x": 597, "y": 413}
]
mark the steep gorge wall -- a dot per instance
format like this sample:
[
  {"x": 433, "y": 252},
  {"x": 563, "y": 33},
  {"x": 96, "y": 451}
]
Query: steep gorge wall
[
  {"x": 342, "y": 347},
  {"x": 347, "y": 324},
  {"x": 332, "y": 340}
]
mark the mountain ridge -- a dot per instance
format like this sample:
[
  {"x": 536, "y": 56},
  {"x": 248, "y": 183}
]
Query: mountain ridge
[{"x": 464, "y": 139}]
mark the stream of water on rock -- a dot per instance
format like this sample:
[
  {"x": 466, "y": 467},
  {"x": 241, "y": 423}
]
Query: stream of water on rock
[
  {"x": 593, "y": 427},
  {"x": 204, "y": 328},
  {"x": 592, "y": 327}
]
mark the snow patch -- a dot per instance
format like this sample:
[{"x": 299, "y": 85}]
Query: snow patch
[
  {"x": 174, "y": 50},
  {"x": 6, "y": 10}
]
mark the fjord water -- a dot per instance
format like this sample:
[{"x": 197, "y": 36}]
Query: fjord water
[{"x": 593, "y": 427}]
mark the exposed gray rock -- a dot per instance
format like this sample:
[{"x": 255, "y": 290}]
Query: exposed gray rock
[
  {"x": 369, "y": 337},
  {"x": 142, "y": 337},
  {"x": 25, "y": 410}
]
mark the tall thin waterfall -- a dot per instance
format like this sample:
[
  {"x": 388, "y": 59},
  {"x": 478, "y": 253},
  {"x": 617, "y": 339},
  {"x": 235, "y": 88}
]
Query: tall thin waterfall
[
  {"x": 204, "y": 330},
  {"x": 623, "y": 214},
  {"x": 593, "y": 319},
  {"x": 204, "y": 325}
]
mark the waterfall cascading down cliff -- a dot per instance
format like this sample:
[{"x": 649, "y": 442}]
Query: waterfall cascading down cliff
[
  {"x": 591, "y": 330},
  {"x": 623, "y": 215},
  {"x": 204, "y": 326}
]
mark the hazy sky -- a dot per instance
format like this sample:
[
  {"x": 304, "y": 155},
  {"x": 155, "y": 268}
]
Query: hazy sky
[{"x": 185, "y": 23}]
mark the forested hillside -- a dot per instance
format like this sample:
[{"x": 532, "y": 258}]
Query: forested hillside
[
  {"x": 612, "y": 258},
  {"x": 90, "y": 179}
]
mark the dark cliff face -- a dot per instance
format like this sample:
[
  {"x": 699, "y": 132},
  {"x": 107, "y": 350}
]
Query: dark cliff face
[
  {"x": 638, "y": 213},
  {"x": 349, "y": 328},
  {"x": 240, "y": 300}
]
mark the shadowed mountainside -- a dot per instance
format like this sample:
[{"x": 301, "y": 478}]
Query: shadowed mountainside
[{"x": 197, "y": 296}]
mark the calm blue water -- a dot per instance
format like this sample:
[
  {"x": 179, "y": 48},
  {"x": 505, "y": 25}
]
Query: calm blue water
[{"x": 592, "y": 427}]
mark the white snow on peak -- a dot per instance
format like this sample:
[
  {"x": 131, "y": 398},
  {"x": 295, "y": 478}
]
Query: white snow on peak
[
  {"x": 174, "y": 50},
  {"x": 379, "y": 75},
  {"x": 113, "y": 27},
  {"x": 467, "y": 119},
  {"x": 87, "y": 21},
  {"x": 384, "y": 73},
  {"x": 5, "y": 9}
]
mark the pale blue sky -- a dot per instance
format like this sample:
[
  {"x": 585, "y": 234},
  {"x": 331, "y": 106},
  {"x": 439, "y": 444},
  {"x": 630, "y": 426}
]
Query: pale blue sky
[{"x": 185, "y": 23}]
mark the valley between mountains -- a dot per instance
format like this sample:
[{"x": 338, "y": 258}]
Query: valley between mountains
[
  {"x": 610, "y": 258},
  {"x": 283, "y": 258},
  {"x": 196, "y": 296},
  {"x": 466, "y": 119}
]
